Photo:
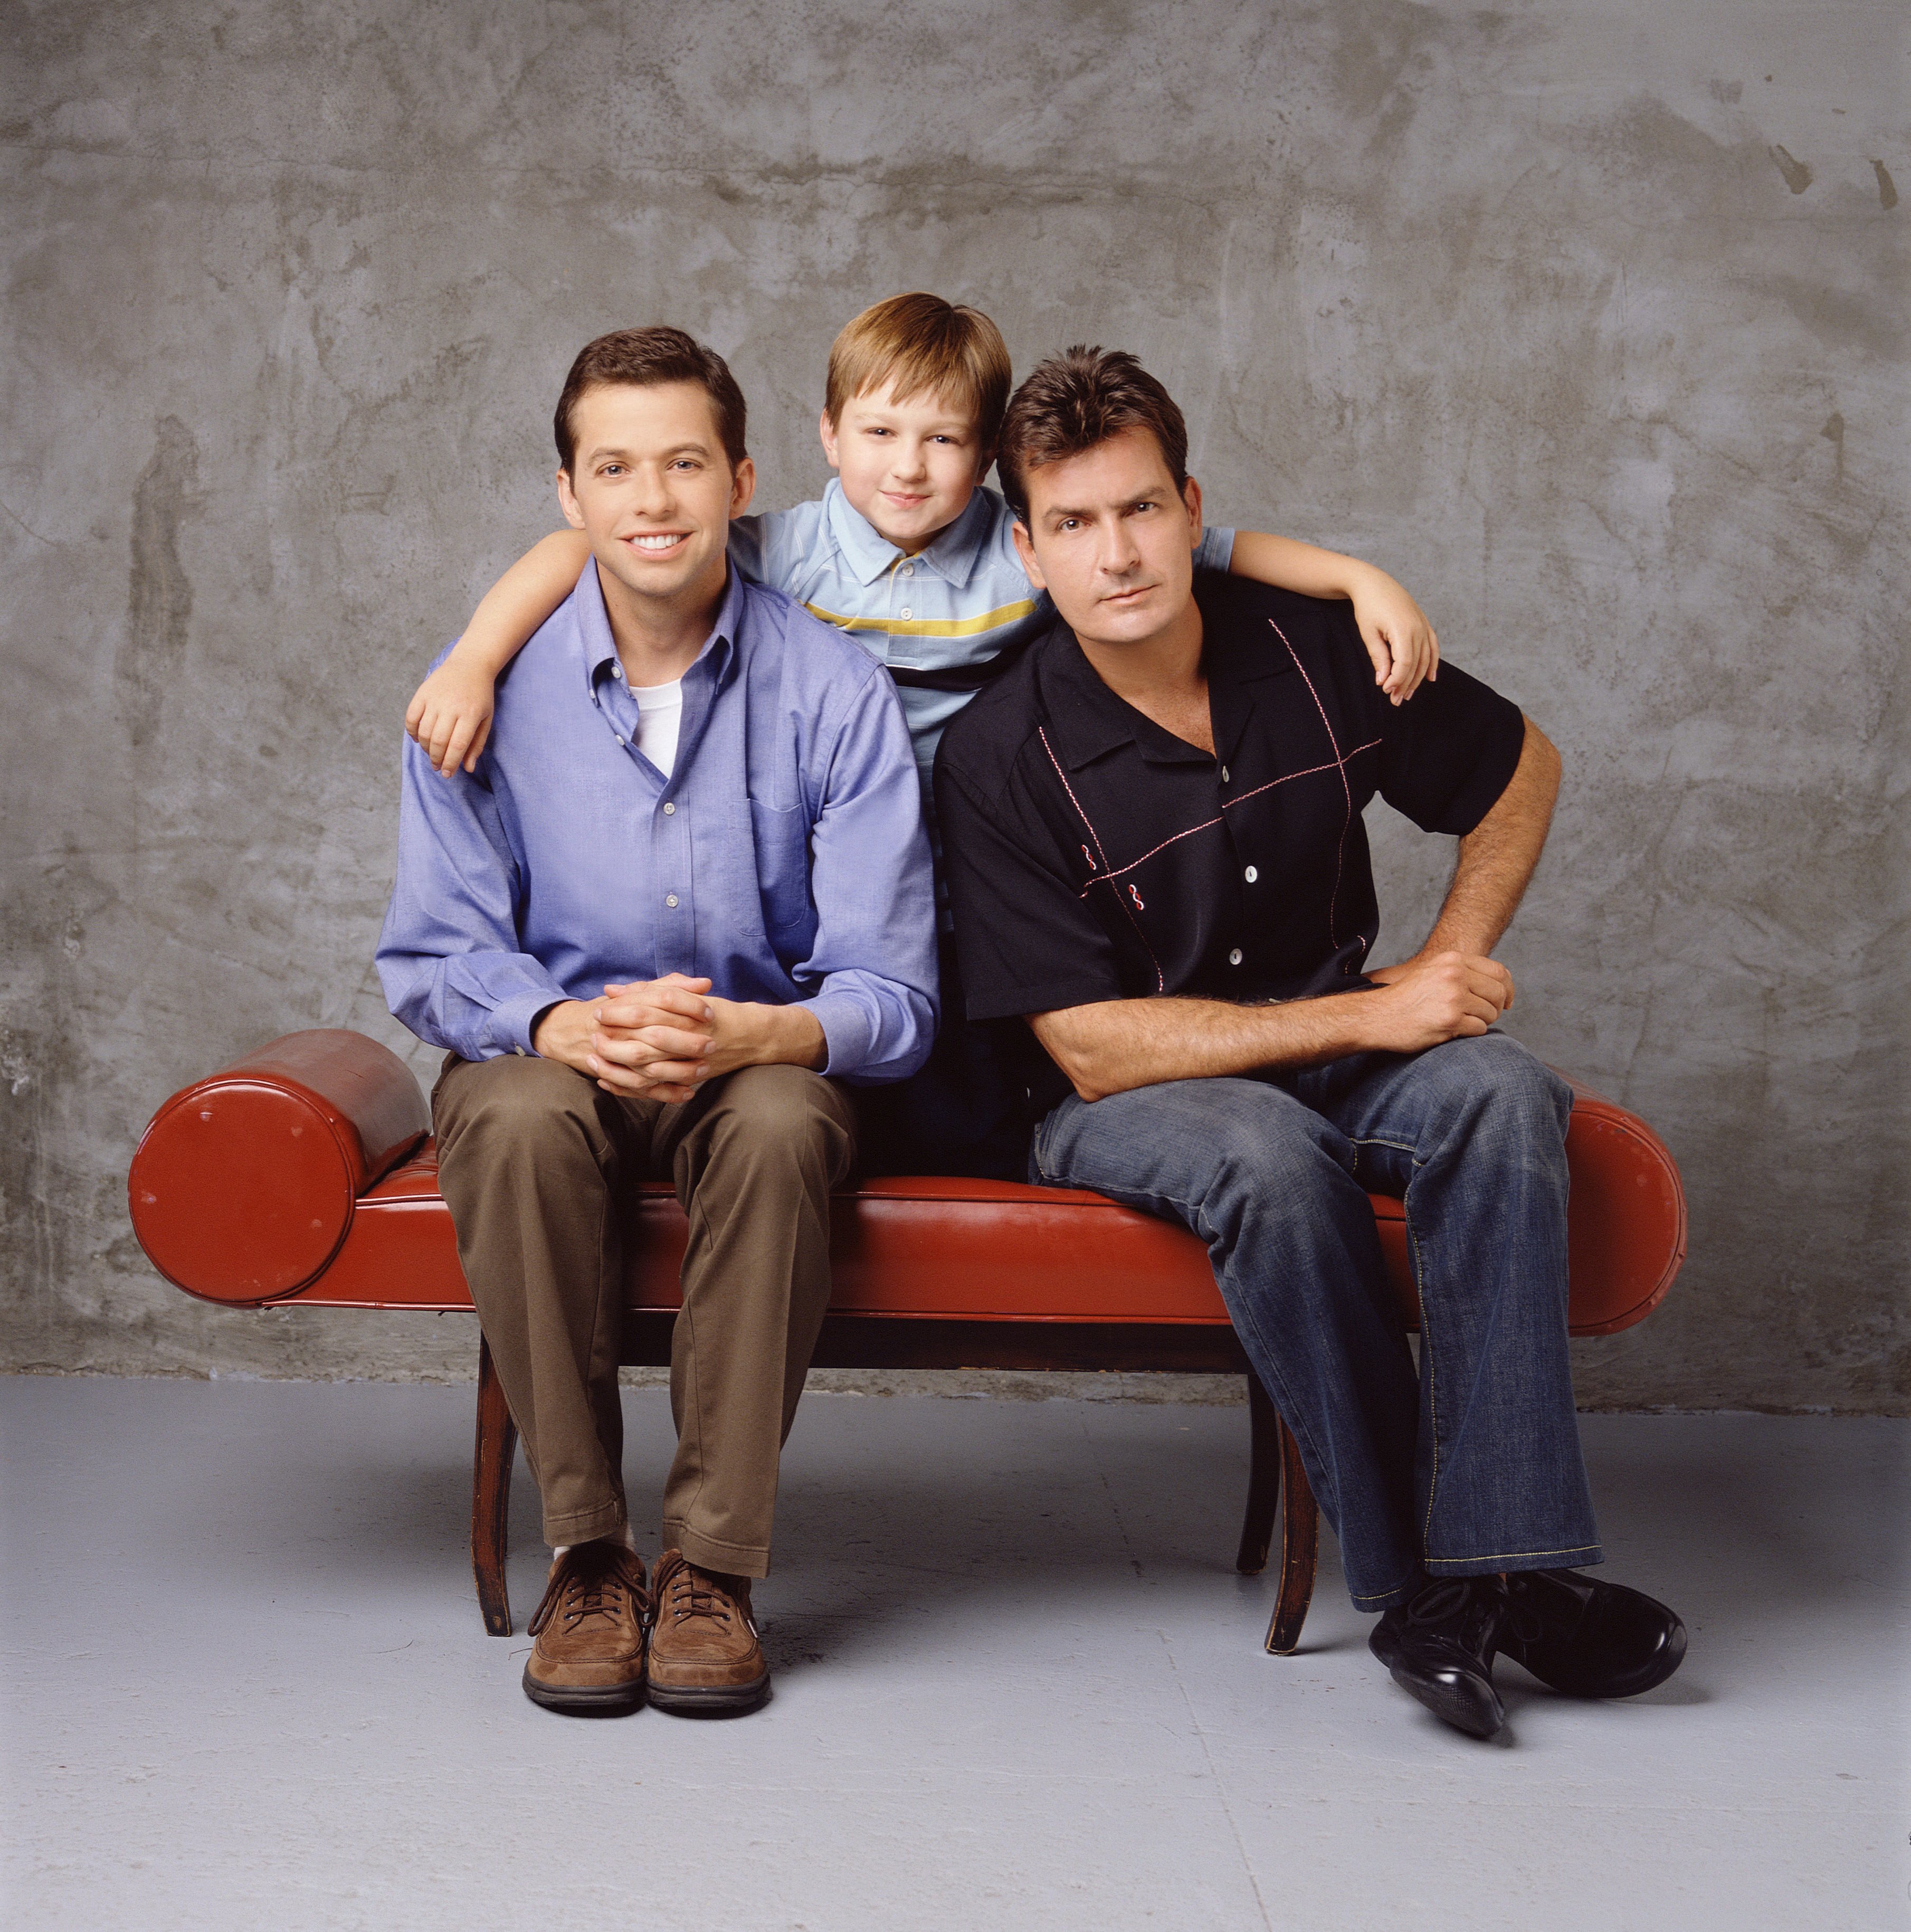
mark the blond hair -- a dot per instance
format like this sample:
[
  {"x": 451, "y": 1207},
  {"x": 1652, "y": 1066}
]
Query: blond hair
[{"x": 918, "y": 344}]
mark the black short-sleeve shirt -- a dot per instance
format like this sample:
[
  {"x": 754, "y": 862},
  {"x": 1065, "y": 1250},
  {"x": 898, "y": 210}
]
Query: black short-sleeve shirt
[{"x": 1091, "y": 855}]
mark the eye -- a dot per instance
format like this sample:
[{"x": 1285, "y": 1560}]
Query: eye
[
  {"x": 612, "y": 470},
  {"x": 1069, "y": 523}
]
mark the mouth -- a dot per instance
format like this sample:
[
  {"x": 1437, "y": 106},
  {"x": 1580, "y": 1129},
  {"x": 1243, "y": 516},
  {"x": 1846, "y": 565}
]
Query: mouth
[
  {"x": 1126, "y": 600},
  {"x": 904, "y": 500},
  {"x": 657, "y": 543}
]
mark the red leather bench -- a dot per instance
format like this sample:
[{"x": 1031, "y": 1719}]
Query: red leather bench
[{"x": 305, "y": 1173}]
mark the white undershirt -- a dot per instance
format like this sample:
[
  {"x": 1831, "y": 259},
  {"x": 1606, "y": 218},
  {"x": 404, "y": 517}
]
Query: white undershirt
[{"x": 660, "y": 711}]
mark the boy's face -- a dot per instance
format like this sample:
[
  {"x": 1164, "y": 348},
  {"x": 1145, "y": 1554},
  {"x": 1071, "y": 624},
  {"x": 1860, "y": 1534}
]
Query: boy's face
[
  {"x": 910, "y": 467},
  {"x": 1111, "y": 540},
  {"x": 650, "y": 487}
]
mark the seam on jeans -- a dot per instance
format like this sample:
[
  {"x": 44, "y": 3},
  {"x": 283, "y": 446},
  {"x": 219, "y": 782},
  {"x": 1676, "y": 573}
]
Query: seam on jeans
[
  {"x": 1512, "y": 1556},
  {"x": 1374, "y": 1596},
  {"x": 1427, "y": 1356},
  {"x": 1200, "y": 1229}
]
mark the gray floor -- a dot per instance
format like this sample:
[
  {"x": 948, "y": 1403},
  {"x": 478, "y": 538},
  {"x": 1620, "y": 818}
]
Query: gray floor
[{"x": 1017, "y": 1684}]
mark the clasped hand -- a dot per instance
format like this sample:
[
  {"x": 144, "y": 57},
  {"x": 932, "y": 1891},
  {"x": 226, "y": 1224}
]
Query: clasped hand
[{"x": 648, "y": 1039}]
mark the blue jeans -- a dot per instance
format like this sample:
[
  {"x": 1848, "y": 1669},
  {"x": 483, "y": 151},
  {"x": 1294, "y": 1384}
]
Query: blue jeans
[{"x": 1477, "y": 1471}]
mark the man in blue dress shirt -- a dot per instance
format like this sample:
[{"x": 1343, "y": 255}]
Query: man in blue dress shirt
[{"x": 685, "y": 892}]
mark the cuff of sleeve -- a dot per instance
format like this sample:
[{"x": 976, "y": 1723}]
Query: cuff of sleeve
[
  {"x": 848, "y": 1039},
  {"x": 512, "y": 1019}
]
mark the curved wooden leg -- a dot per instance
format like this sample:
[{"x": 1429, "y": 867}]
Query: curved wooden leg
[
  {"x": 1300, "y": 1549},
  {"x": 1263, "y": 1479},
  {"x": 491, "y": 1495}
]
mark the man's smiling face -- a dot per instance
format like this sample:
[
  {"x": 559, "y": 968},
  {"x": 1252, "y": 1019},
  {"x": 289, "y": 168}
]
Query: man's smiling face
[
  {"x": 650, "y": 487},
  {"x": 1112, "y": 540}
]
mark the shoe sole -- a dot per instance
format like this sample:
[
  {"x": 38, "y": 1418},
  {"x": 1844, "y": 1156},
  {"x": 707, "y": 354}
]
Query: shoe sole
[
  {"x": 710, "y": 1700},
  {"x": 585, "y": 1700},
  {"x": 1460, "y": 1712}
]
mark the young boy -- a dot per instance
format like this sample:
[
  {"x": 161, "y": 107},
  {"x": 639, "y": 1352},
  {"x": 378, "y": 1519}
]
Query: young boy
[{"x": 908, "y": 552}]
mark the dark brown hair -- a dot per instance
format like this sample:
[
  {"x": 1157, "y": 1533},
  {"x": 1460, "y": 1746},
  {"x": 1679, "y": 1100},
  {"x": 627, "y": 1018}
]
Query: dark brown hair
[
  {"x": 922, "y": 345},
  {"x": 648, "y": 357},
  {"x": 1076, "y": 400}
]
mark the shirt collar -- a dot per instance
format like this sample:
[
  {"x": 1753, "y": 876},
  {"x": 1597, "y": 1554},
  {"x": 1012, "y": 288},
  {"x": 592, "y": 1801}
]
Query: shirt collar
[
  {"x": 600, "y": 646},
  {"x": 1090, "y": 719},
  {"x": 870, "y": 554}
]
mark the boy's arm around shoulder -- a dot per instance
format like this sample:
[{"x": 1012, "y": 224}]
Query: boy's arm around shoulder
[{"x": 449, "y": 715}]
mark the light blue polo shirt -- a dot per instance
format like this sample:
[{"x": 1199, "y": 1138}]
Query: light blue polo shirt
[{"x": 949, "y": 609}]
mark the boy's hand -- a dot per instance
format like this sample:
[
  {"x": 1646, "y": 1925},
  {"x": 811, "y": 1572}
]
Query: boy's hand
[
  {"x": 1402, "y": 643},
  {"x": 450, "y": 716}
]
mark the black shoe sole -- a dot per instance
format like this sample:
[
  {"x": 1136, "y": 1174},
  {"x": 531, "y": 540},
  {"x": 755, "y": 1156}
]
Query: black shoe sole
[
  {"x": 710, "y": 1700},
  {"x": 1451, "y": 1707},
  {"x": 585, "y": 1700}
]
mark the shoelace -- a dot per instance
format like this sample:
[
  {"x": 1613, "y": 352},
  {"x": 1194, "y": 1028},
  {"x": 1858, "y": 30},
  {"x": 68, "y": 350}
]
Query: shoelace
[
  {"x": 580, "y": 1592},
  {"x": 1440, "y": 1602},
  {"x": 686, "y": 1597}
]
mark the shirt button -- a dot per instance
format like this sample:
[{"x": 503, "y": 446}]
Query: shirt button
[
  {"x": 907, "y": 612},
  {"x": 908, "y": 570},
  {"x": 1223, "y": 775},
  {"x": 1251, "y": 875},
  {"x": 670, "y": 812},
  {"x": 670, "y": 898},
  {"x": 519, "y": 1051},
  {"x": 1234, "y": 958},
  {"x": 617, "y": 670}
]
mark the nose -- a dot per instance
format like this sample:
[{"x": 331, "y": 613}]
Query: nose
[
  {"x": 650, "y": 494},
  {"x": 1120, "y": 555},
  {"x": 910, "y": 462}
]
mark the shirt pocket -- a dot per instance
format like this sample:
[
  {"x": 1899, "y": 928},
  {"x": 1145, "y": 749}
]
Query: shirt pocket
[{"x": 778, "y": 838}]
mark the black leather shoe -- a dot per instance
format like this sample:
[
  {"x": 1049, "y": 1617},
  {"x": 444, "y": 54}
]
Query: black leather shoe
[
  {"x": 1587, "y": 1638},
  {"x": 1439, "y": 1648}
]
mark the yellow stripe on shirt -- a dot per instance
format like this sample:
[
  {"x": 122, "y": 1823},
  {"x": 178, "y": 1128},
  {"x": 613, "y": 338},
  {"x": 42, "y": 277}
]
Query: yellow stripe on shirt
[{"x": 928, "y": 627}]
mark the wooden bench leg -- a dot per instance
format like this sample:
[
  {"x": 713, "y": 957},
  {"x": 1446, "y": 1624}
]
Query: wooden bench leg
[
  {"x": 1300, "y": 1549},
  {"x": 491, "y": 1495},
  {"x": 1263, "y": 1479}
]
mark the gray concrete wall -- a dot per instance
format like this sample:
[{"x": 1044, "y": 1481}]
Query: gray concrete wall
[{"x": 1585, "y": 317}]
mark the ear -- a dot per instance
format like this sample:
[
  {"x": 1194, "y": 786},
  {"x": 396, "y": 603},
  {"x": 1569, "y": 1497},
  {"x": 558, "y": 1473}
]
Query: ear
[
  {"x": 743, "y": 486},
  {"x": 1191, "y": 497},
  {"x": 827, "y": 430},
  {"x": 1025, "y": 549},
  {"x": 568, "y": 502}
]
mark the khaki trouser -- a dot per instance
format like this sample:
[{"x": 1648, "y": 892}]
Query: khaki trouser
[{"x": 535, "y": 1161}]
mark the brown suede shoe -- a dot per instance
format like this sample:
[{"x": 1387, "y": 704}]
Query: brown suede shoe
[
  {"x": 588, "y": 1653},
  {"x": 704, "y": 1656}
]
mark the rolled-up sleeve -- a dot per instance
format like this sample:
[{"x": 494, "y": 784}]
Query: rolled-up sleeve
[
  {"x": 871, "y": 881},
  {"x": 449, "y": 957}
]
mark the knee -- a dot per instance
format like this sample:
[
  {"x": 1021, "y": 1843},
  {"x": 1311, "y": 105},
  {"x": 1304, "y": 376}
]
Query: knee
[
  {"x": 783, "y": 1115},
  {"x": 508, "y": 1103},
  {"x": 1497, "y": 1091}
]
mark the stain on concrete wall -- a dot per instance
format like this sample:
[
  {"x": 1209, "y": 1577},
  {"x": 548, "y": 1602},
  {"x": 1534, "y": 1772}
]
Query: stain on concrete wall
[{"x": 1587, "y": 320}]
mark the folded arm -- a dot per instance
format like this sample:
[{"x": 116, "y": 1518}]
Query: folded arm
[{"x": 1448, "y": 990}]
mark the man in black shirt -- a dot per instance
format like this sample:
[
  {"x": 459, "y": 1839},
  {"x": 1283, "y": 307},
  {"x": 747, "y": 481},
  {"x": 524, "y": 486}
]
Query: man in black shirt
[{"x": 1156, "y": 857}]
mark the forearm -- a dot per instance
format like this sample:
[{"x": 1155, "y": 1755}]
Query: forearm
[
  {"x": 1115, "y": 1044},
  {"x": 1291, "y": 564},
  {"x": 511, "y": 613},
  {"x": 1497, "y": 857}
]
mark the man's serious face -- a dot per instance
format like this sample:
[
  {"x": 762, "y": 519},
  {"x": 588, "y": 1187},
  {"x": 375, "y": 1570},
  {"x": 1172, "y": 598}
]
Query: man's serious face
[
  {"x": 1111, "y": 540},
  {"x": 910, "y": 468},
  {"x": 650, "y": 487}
]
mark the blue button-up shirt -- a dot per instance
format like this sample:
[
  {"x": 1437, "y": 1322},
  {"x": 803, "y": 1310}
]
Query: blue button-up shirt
[{"x": 783, "y": 858}]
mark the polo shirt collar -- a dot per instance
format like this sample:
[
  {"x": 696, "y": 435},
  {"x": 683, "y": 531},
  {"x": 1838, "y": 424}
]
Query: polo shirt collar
[
  {"x": 867, "y": 552},
  {"x": 870, "y": 554},
  {"x": 600, "y": 646}
]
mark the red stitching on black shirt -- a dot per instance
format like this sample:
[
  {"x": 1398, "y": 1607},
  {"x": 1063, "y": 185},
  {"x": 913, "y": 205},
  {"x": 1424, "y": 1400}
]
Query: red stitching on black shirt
[
  {"x": 1346, "y": 824},
  {"x": 1041, "y": 732}
]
